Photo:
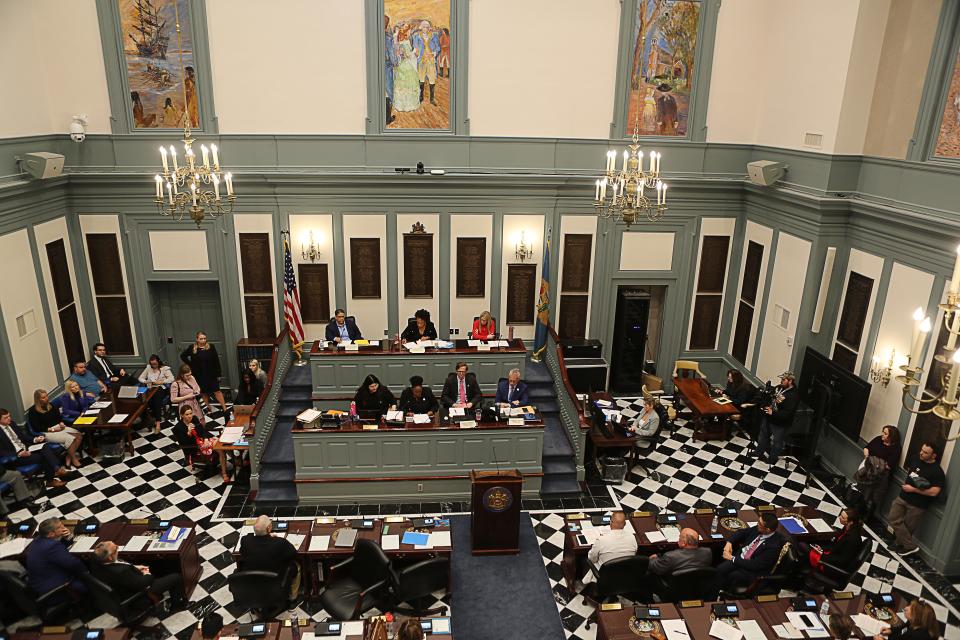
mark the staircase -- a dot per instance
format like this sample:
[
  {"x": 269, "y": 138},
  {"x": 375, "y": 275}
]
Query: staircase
[
  {"x": 559, "y": 462},
  {"x": 277, "y": 466}
]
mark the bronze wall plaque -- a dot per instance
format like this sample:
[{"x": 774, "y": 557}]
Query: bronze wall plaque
[
  {"x": 418, "y": 273},
  {"x": 255, "y": 262},
  {"x": 577, "y": 248},
  {"x": 104, "y": 253},
  {"x": 365, "y": 267},
  {"x": 853, "y": 317},
  {"x": 60, "y": 273},
  {"x": 261, "y": 319},
  {"x": 314, "y": 286},
  {"x": 471, "y": 267},
  {"x": 115, "y": 324},
  {"x": 573, "y": 316},
  {"x": 521, "y": 293}
]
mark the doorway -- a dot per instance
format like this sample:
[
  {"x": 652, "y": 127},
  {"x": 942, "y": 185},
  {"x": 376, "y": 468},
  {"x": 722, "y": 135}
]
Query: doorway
[
  {"x": 181, "y": 309},
  {"x": 636, "y": 336}
]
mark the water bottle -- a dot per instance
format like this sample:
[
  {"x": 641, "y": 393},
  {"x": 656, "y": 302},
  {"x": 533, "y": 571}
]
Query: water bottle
[
  {"x": 477, "y": 414},
  {"x": 825, "y": 608},
  {"x": 715, "y": 524},
  {"x": 353, "y": 411}
]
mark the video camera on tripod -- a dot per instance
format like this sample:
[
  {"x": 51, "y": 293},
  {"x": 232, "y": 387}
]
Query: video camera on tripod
[{"x": 766, "y": 396}]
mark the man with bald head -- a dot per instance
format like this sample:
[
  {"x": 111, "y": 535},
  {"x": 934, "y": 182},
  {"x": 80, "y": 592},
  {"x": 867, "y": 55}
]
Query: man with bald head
[
  {"x": 688, "y": 556},
  {"x": 263, "y": 551},
  {"x": 618, "y": 542},
  {"x": 127, "y": 579}
]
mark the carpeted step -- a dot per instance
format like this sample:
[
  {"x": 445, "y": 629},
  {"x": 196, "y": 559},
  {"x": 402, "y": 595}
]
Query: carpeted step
[
  {"x": 537, "y": 372},
  {"x": 277, "y": 492},
  {"x": 559, "y": 487},
  {"x": 542, "y": 390},
  {"x": 556, "y": 465},
  {"x": 292, "y": 409},
  {"x": 298, "y": 377},
  {"x": 296, "y": 394},
  {"x": 555, "y": 441},
  {"x": 548, "y": 406},
  {"x": 277, "y": 472},
  {"x": 280, "y": 446}
]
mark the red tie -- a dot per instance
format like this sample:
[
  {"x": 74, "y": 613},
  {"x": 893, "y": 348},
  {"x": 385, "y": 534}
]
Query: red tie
[
  {"x": 753, "y": 547},
  {"x": 463, "y": 392}
]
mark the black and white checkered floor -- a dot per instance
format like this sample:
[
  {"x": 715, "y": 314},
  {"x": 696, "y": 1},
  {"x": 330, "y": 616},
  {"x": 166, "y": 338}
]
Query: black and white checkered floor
[{"x": 691, "y": 474}]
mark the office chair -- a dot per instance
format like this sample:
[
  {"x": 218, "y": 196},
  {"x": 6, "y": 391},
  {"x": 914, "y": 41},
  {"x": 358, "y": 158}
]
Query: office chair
[
  {"x": 47, "y": 607},
  {"x": 130, "y": 611},
  {"x": 625, "y": 576},
  {"x": 359, "y": 583},
  {"x": 192, "y": 458},
  {"x": 836, "y": 578},
  {"x": 266, "y": 593},
  {"x": 650, "y": 447},
  {"x": 782, "y": 576},
  {"x": 416, "y": 584},
  {"x": 695, "y": 584},
  {"x": 32, "y": 473}
]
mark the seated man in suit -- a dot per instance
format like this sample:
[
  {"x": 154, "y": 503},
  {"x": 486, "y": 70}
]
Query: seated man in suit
[
  {"x": 342, "y": 328},
  {"x": 420, "y": 329},
  {"x": 513, "y": 390},
  {"x": 107, "y": 372},
  {"x": 261, "y": 551},
  {"x": 50, "y": 565},
  {"x": 20, "y": 492},
  {"x": 759, "y": 550},
  {"x": 687, "y": 557},
  {"x": 461, "y": 389},
  {"x": 15, "y": 445},
  {"x": 616, "y": 543},
  {"x": 88, "y": 382},
  {"x": 127, "y": 579},
  {"x": 417, "y": 398}
]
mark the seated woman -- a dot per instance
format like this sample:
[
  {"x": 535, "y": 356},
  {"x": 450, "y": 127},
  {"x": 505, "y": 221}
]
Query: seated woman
[
  {"x": 185, "y": 391},
  {"x": 420, "y": 329},
  {"x": 373, "y": 398},
  {"x": 844, "y": 546},
  {"x": 254, "y": 365},
  {"x": 646, "y": 424},
  {"x": 921, "y": 624},
  {"x": 250, "y": 389},
  {"x": 484, "y": 328},
  {"x": 73, "y": 401},
  {"x": 45, "y": 419},
  {"x": 418, "y": 398},
  {"x": 737, "y": 389},
  {"x": 189, "y": 432},
  {"x": 157, "y": 374}
]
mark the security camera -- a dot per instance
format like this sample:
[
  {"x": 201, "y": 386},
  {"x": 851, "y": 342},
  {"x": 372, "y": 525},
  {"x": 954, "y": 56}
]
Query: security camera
[{"x": 78, "y": 128}]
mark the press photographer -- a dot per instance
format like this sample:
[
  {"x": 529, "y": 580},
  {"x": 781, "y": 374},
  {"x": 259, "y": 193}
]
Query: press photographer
[{"x": 776, "y": 415}]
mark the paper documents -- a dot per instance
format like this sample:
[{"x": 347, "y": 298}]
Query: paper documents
[
  {"x": 421, "y": 418},
  {"x": 395, "y": 416},
  {"x": 787, "y": 631},
  {"x": 820, "y": 525},
  {"x": 390, "y": 542},
  {"x": 440, "y": 538},
  {"x": 655, "y": 536},
  {"x": 319, "y": 543},
  {"x": 137, "y": 543},
  {"x": 35, "y": 447},
  {"x": 296, "y": 539},
  {"x": 722, "y": 630},
  {"x": 117, "y": 418},
  {"x": 83, "y": 544},
  {"x": 440, "y": 625},
  {"x": 14, "y": 547},
  {"x": 231, "y": 435},
  {"x": 809, "y": 622},
  {"x": 309, "y": 415},
  {"x": 84, "y": 420},
  {"x": 92, "y": 412},
  {"x": 672, "y": 534},
  {"x": 100, "y": 404},
  {"x": 751, "y": 630},
  {"x": 456, "y": 411},
  {"x": 675, "y": 629},
  {"x": 868, "y": 624}
]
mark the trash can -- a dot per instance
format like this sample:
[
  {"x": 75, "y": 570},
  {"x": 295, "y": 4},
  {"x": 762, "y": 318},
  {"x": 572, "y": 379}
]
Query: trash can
[
  {"x": 614, "y": 469},
  {"x": 112, "y": 446}
]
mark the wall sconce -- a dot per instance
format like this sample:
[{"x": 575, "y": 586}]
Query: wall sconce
[
  {"x": 524, "y": 250},
  {"x": 880, "y": 371},
  {"x": 309, "y": 249}
]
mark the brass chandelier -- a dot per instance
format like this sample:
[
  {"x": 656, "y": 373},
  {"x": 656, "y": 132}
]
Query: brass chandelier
[
  {"x": 185, "y": 190},
  {"x": 628, "y": 194}
]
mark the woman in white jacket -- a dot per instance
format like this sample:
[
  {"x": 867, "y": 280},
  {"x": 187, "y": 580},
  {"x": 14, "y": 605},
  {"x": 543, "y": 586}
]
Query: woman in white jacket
[{"x": 157, "y": 374}]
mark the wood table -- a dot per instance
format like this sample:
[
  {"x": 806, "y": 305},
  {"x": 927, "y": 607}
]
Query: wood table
[
  {"x": 711, "y": 420},
  {"x": 133, "y": 407},
  {"x": 235, "y": 451},
  {"x": 117, "y": 633},
  {"x": 273, "y": 631},
  {"x": 613, "y": 625}
]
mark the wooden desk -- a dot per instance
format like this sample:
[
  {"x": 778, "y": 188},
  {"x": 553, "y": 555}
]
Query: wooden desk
[
  {"x": 613, "y": 625},
  {"x": 133, "y": 407},
  {"x": 710, "y": 420},
  {"x": 236, "y": 451},
  {"x": 273, "y": 631},
  {"x": 118, "y": 633},
  {"x": 700, "y": 618},
  {"x": 286, "y": 632}
]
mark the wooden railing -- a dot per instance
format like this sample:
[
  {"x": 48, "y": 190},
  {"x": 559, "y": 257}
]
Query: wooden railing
[
  {"x": 575, "y": 424},
  {"x": 264, "y": 415}
]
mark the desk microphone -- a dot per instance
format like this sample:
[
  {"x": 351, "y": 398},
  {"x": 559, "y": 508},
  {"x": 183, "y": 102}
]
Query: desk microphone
[{"x": 497, "y": 462}]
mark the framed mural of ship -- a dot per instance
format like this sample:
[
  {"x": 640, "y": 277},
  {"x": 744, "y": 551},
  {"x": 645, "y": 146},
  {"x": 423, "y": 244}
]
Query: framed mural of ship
[{"x": 152, "y": 63}]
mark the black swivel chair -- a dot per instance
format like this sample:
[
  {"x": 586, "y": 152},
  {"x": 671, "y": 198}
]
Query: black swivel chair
[
  {"x": 359, "y": 583},
  {"x": 48, "y": 607},
  {"x": 130, "y": 611},
  {"x": 695, "y": 584},
  {"x": 266, "y": 593},
  {"x": 415, "y": 585},
  {"x": 835, "y": 578},
  {"x": 649, "y": 448},
  {"x": 626, "y": 576}
]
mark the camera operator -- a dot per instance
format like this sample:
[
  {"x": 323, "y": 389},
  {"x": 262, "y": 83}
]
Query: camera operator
[{"x": 776, "y": 417}]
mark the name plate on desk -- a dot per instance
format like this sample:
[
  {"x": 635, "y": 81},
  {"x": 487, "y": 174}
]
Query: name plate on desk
[
  {"x": 370, "y": 427},
  {"x": 515, "y": 422},
  {"x": 611, "y": 606},
  {"x": 468, "y": 424},
  {"x": 483, "y": 347},
  {"x": 689, "y": 604},
  {"x": 416, "y": 350},
  {"x": 768, "y": 597},
  {"x": 766, "y": 507},
  {"x": 842, "y": 595},
  {"x": 351, "y": 347}
]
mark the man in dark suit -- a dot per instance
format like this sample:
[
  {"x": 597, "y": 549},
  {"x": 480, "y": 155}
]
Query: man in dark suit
[
  {"x": 513, "y": 390},
  {"x": 127, "y": 579},
  {"x": 461, "y": 389},
  {"x": 15, "y": 451},
  {"x": 418, "y": 398},
  {"x": 261, "y": 551},
  {"x": 107, "y": 372},
  {"x": 757, "y": 555},
  {"x": 342, "y": 328},
  {"x": 50, "y": 565},
  {"x": 689, "y": 556}
]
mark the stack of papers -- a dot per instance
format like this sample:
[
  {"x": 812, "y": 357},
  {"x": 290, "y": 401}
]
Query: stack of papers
[
  {"x": 85, "y": 420},
  {"x": 440, "y": 625},
  {"x": 751, "y": 630},
  {"x": 723, "y": 631},
  {"x": 390, "y": 542},
  {"x": 793, "y": 526},
  {"x": 787, "y": 631},
  {"x": 820, "y": 525},
  {"x": 117, "y": 418},
  {"x": 319, "y": 543},
  {"x": 83, "y": 544},
  {"x": 309, "y": 415},
  {"x": 868, "y": 624},
  {"x": 440, "y": 539},
  {"x": 395, "y": 416},
  {"x": 137, "y": 543},
  {"x": 296, "y": 539},
  {"x": 809, "y": 622},
  {"x": 92, "y": 412},
  {"x": 231, "y": 434},
  {"x": 675, "y": 629},
  {"x": 655, "y": 536},
  {"x": 672, "y": 534},
  {"x": 422, "y": 344},
  {"x": 14, "y": 547},
  {"x": 421, "y": 418},
  {"x": 160, "y": 545},
  {"x": 100, "y": 404}
]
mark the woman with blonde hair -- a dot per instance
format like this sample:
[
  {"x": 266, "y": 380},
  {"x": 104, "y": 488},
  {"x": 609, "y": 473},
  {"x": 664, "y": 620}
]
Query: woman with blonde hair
[
  {"x": 484, "y": 327},
  {"x": 921, "y": 624},
  {"x": 254, "y": 365},
  {"x": 45, "y": 419},
  {"x": 73, "y": 401},
  {"x": 205, "y": 364}
]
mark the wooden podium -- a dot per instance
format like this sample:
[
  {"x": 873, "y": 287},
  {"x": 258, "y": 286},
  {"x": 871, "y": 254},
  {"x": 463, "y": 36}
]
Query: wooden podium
[{"x": 495, "y": 511}]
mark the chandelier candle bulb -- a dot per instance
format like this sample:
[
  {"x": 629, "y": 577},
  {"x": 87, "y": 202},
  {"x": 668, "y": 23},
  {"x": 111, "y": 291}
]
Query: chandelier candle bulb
[
  {"x": 955, "y": 280},
  {"x": 597, "y": 195},
  {"x": 625, "y": 155},
  {"x": 206, "y": 155},
  {"x": 216, "y": 157},
  {"x": 173, "y": 156},
  {"x": 917, "y": 319},
  {"x": 159, "y": 187},
  {"x": 653, "y": 155},
  {"x": 190, "y": 158},
  {"x": 193, "y": 188},
  {"x": 657, "y": 170},
  {"x": 953, "y": 331},
  {"x": 229, "y": 179},
  {"x": 216, "y": 186},
  {"x": 163, "y": 156},
  {"x": 954, "y": 379},
  {"x": 170, "y": 192},
  {"x": 918, "y": 341},
  {"x": 664, "y": 193}
]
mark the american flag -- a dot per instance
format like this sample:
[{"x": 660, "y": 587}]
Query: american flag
[{"x": 291, "y": 299}]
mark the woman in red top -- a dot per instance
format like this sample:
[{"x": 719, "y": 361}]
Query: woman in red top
[
  {"x": 484, "y": 327},
  {"x": 843, "y": 547}
]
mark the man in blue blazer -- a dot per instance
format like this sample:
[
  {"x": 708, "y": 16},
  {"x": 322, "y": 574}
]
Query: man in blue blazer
[
  {"x": 757, "y": 554},
  {"x": 512, "y": 391},
  {"x": 342, "y": 328},
  {"x": 49, "y": 564}
]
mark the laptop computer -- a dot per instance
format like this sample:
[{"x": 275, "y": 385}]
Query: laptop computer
[{"x": 127, "y": 392}]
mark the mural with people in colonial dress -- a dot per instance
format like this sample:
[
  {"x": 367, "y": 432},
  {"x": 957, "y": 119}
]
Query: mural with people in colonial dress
[{"x": 948, "y": 139}]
